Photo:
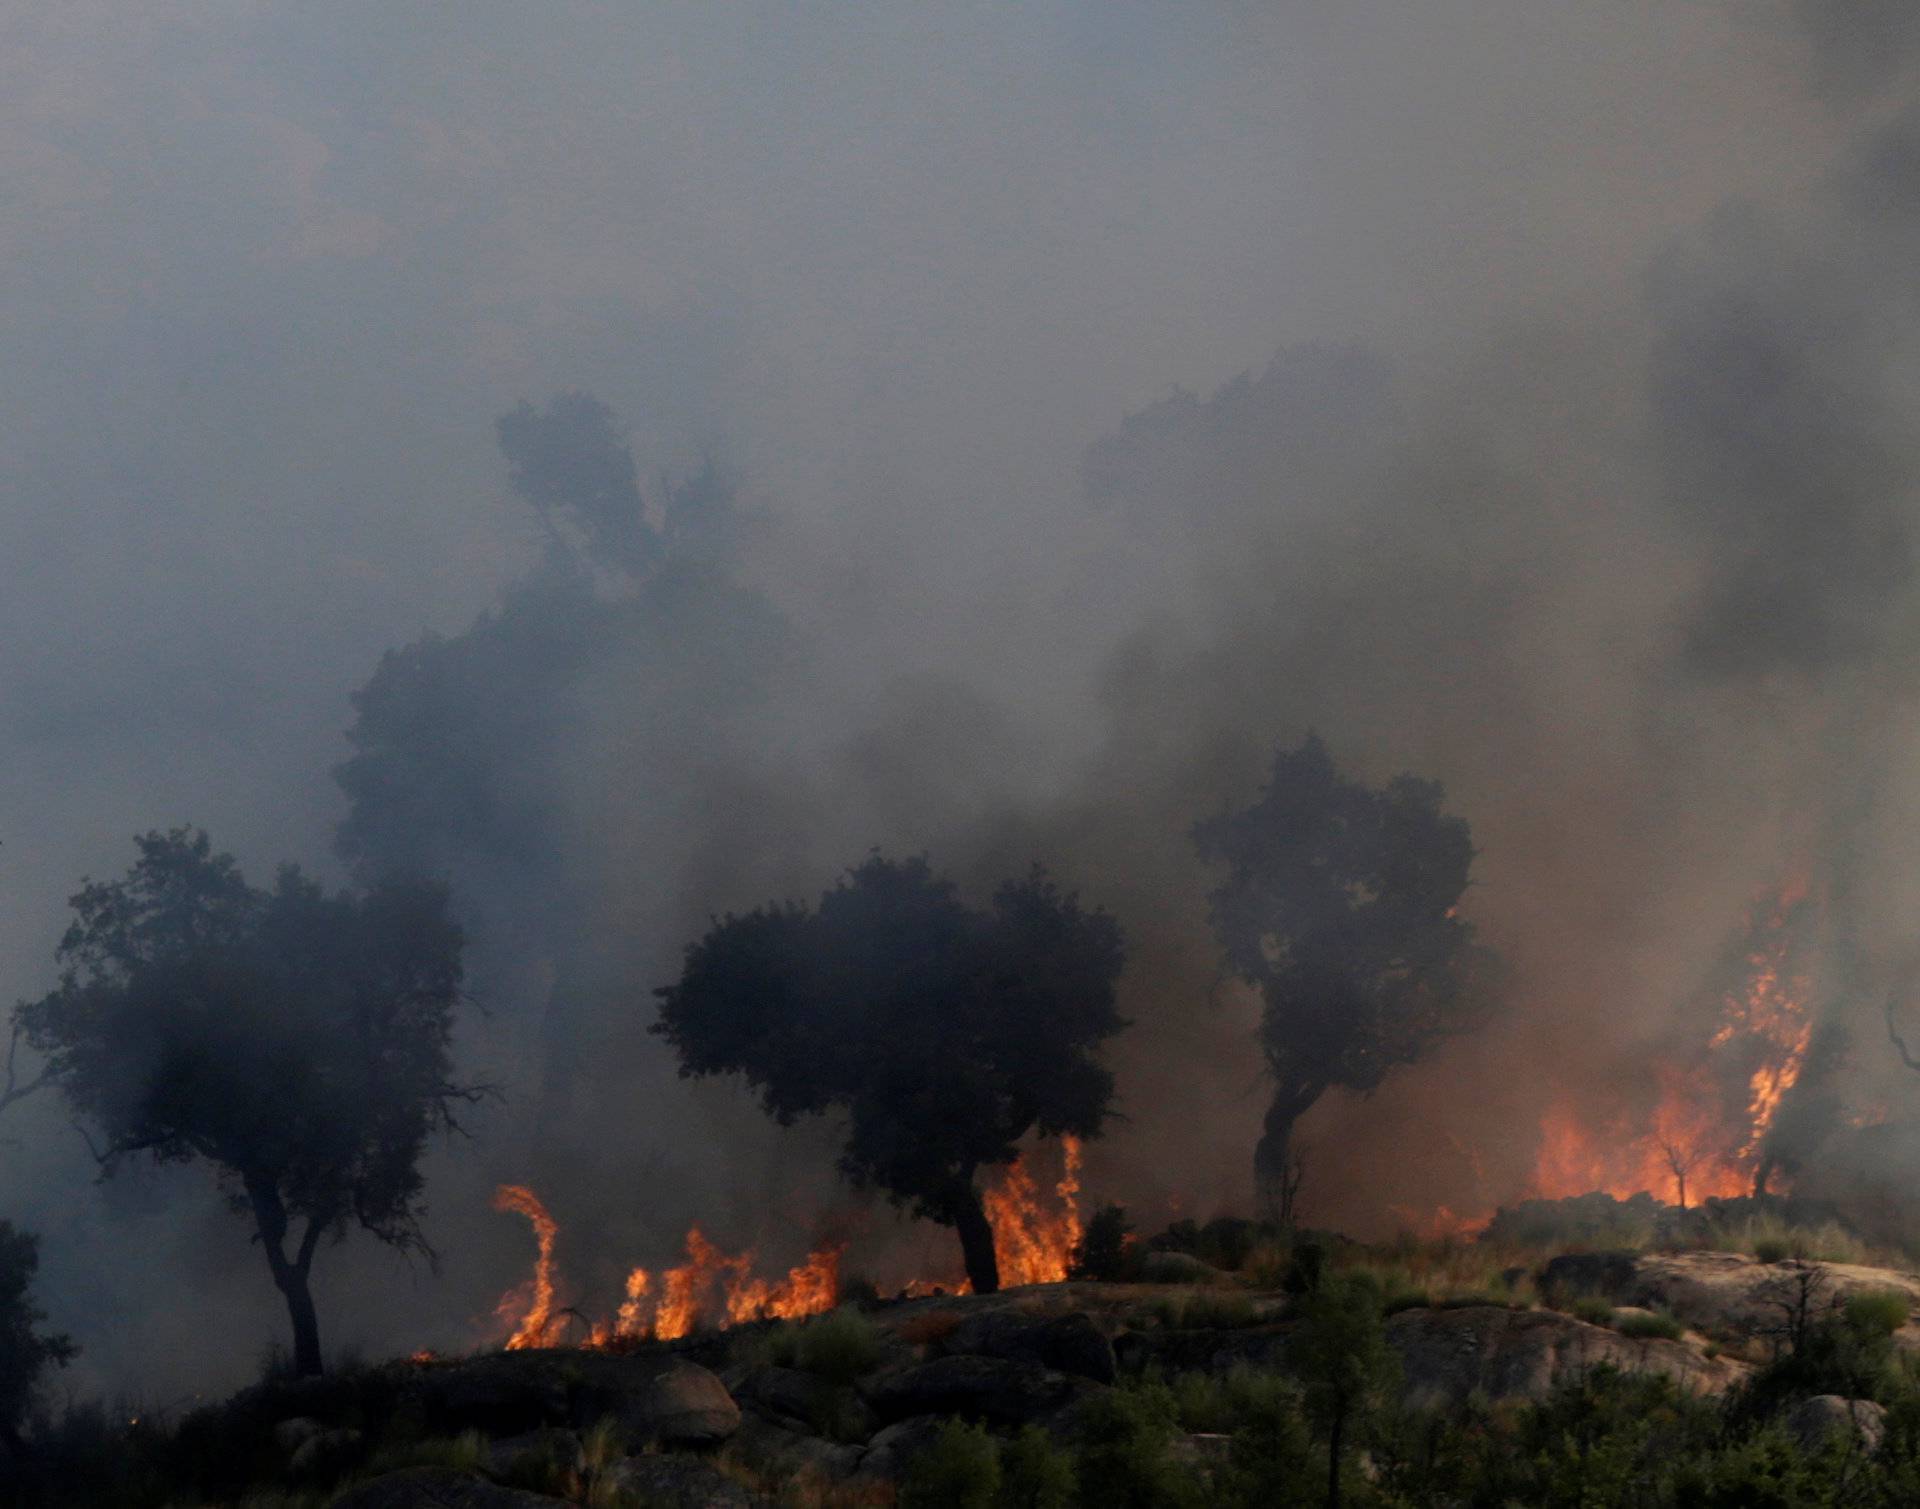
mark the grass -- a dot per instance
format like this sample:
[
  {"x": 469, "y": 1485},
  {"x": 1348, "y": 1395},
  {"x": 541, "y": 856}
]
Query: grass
[
  {"x": 840, "y": 1346},
  {"x": 1207, "y": 1310},
  {"x": 1767, "y": 1236},
  {"x": 1657, "y": 1324},
  {"x": 1443, "y": 1274}
]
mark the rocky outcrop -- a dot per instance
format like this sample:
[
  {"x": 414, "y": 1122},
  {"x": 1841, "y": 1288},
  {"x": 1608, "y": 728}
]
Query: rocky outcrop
[
  {"x": 681, "y": 1483},
  {"x": 438, "y": 1488},
  {"x": 1812, "y": 1421},
  {"x": 1731, "y": 1294},
  {"x": 992, "y": 1389},
  {"x": 1522, "y": 1354}
]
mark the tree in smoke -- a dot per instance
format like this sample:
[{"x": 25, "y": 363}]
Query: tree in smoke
[
  {"x": 25, "y": 1351},
  {"x": 1340, "y": 906},
  {"x": 297, "y": 1041},
  {"x": 630, "y": 630},
  {"x": 945, "y": 1034}
]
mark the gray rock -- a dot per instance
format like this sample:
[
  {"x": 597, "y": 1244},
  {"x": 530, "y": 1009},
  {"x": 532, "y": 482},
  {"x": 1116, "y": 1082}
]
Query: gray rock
[
  {"x": 979, "y": 1388},
  {"x": 1069, "y": 1343},
  {"x": 1508, "y": 1354},
  {"x": 291, "y": 1435},
  {"x": 1610, "y": 1275},
  {"x": 809, "y": 1401},
  {"x": 547, "y": 1444},
  {"x": 891, "y": 1453},
  {"x": 663, "y": 1482},
  {"x": 1178, "y": 1268},
  {"x": 438, "y": 1488},
  {"x": 783, "y": 1453},
  {"x": 1261, "y": 1347},
  {"x": 1811, "y": 1421},
  {"x": 681, "y": 1405},
  {"x": 326, "y": 1451}
]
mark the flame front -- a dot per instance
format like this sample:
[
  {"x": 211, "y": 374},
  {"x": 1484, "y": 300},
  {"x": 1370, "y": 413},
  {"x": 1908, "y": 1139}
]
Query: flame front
[
  {"x": 1032, "y": 1243},
  {"x": 534, "y": 1301},
  {"x": 1703, "y": 1140}
]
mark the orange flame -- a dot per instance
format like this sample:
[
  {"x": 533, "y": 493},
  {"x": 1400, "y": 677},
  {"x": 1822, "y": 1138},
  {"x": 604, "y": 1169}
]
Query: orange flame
[
  {"x": 1032, "y": 1244},
  {"x": 536, "y": 1298},
  {"x": 1697, "y": 1145}
]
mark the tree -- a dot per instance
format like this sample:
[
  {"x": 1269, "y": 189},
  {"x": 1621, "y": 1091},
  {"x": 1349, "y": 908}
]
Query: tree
[
  {"x": 944, "y": 1034},
  {"x": 1340, "y": 905},
  {"x": 296, "y": 1041},
  {"x": 25, "y": 1353},
  {"x": 1341, "y": 1354}
]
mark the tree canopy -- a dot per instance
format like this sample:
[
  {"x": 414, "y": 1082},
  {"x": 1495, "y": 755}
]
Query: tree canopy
[
  {"x": 25, "y": 1351},
  {"x": 942, "y": 1032},
  {"x": 1340, "y": 905},
  {"x": 295, "y": 1040}
]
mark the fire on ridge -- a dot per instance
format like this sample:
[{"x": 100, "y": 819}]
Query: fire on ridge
[{"x": 1034, "y": 1238}]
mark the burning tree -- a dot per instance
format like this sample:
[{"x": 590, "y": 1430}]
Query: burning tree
[
  {"x": 945, "y": 1034},
  {"x": 294, "y": 1040},
  {"x": 1340, "y": 904}
]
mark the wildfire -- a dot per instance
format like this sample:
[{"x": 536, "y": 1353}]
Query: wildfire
[
  {"x": 1705, "y": 1137},
  {"x": 535, "y": 1301},
  {"x": 1032, "y": 1243},
  {"x": 1033, "y": 1240}
]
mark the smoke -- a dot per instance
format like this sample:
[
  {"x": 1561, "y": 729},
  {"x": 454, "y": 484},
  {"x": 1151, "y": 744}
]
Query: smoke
[{"x": 1571, "y": 465}]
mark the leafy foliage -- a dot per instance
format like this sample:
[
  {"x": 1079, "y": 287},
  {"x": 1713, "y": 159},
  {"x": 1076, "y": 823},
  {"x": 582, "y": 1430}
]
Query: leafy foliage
[
  {"x": 1340, "y": 905},
  {"x": 1102, "y": 1251},
  {"x": 25, "y": 1351},
  {"x": 295, "y": 1040},
  {"x": 944, "y": 1034}
]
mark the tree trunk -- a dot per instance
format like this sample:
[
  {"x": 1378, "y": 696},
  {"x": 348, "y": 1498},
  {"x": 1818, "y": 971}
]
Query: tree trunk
[
  {"x": 976, "y": 1240},
  {"x": 1333, "y": 1459},
  {"x": 1270, "y": 1157},
  {"x": 1762, "y": 1174},
  {"x": 289, "y": 1274}
]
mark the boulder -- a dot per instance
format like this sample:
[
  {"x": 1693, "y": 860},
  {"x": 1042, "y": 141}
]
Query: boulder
[
  {"x": 1812, "y": 1421},
  {"x": 783, "y": 1453},
  {"x": 1731, "y": 1294},
  {"x": 291, "y": 1435},
  {"x": 658, "y": 1398},
  {"x": 663, "y": 1482},
  {"x": 807, "y": 1400},
  {"x": 548, "y": 1444},
  {"x": 891, "y": 1452},
  {"x": 1069, "y": 1343},
  {"x": 438, "y": 1488},
  {"x": 1610, "y": 1275},
  {"x": 326, "y": 1452},
  {"x": 979, "y": 1388},
  {"x": 1523, "y": 1354},
  {"x": 1260, "y": 1347},
  {"x": 500, "y": 1395},
  {"x": 1177, "y": 1268}
]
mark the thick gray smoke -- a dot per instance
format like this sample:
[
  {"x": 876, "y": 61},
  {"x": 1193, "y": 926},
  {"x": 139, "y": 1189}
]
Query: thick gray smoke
[{"x": 1518, "y": 396}]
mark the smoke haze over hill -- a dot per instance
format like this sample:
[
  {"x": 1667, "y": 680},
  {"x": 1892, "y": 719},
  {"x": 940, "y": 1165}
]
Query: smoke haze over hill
[{"x": 1107, "y": 394}]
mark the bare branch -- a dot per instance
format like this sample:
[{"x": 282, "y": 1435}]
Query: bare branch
[{"x": 13, "y": 1089}]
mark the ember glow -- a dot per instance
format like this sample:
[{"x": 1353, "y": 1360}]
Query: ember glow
[{"x": 1034, "y": 1237}]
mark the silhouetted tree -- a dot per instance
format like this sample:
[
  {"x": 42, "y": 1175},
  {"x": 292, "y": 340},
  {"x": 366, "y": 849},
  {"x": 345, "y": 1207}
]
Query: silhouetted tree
[
  {"x": 944, "y": 1034},
  {"x": 25, "y": 1352},
  {"x": 1341, "y": 1353},
  {"x": 297, "y": 1041},
  {"x": 466, "y": 748},
  {"x": 1339, "y": 905}
]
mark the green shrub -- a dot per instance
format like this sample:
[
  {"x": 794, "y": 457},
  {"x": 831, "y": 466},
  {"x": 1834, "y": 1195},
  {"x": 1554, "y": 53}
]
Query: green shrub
[
  {"x": 1594, "y": 1310},
  {"x": 1035, "y": 1472},
  {"x": 1208, "y": 1310},
  {"x": 1405, "y": 1299},
  {"x": 959, "y": 1469},
  {"x": 840, "y": 1346},
  {"x": 1126, "y": 1456},
  {"x": 1221, "y": 1403},
  {"x": 1878, "y": 1311},
  {"x": 1772, "y": 1249},
  {"x": 1659, "y": 1324}
]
